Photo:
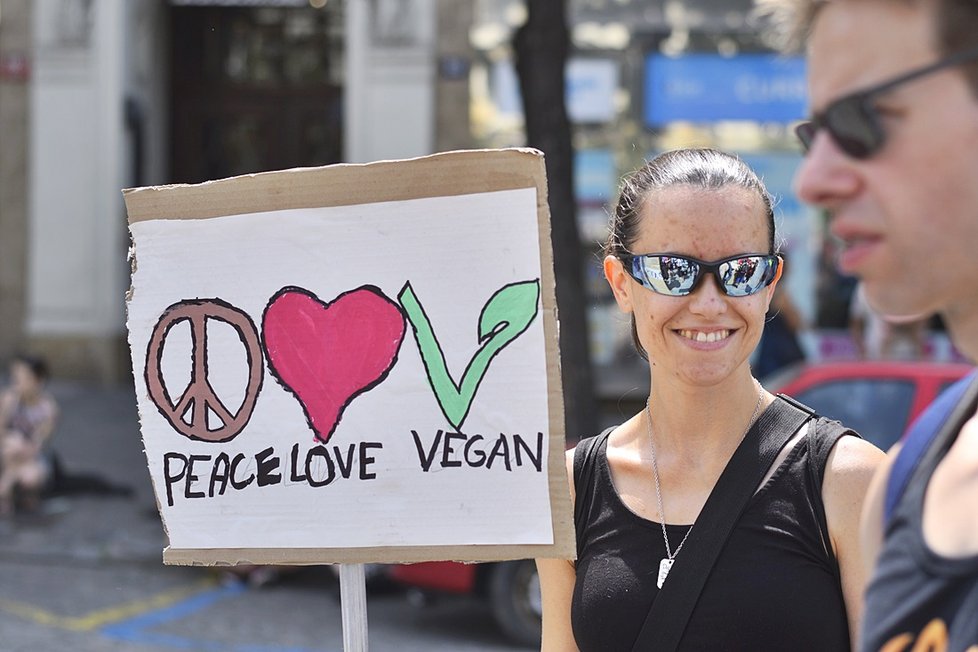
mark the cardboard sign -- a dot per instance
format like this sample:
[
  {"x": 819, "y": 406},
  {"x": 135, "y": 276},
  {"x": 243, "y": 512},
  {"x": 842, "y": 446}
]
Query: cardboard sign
[{"x": 354, "y": 363}]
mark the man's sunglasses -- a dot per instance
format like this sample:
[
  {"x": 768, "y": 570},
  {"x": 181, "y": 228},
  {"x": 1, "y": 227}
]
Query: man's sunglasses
[
  {"x": 854, "y": 122},
  {"x": 678, "y": 276}
]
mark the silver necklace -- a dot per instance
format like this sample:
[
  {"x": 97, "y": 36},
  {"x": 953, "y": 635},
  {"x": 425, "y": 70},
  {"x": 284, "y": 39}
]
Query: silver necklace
[{"x": 665, "y": 564}]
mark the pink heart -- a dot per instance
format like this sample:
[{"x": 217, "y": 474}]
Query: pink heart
[{"x": 327, "y": 354}]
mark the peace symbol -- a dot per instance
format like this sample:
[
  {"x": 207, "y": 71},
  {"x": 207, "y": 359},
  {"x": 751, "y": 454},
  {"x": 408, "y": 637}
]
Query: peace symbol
[{"x": 199, "y": 398}]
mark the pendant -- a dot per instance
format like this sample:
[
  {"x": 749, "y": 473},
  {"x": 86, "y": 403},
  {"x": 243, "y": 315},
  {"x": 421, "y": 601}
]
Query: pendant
[{"x": 664, "y": 567}]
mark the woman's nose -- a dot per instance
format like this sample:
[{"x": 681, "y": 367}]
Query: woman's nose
[{"x": 708, "y": 298}]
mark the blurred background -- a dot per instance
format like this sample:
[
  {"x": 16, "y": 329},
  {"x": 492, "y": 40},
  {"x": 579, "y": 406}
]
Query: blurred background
[{"x": 101, "y": 95}]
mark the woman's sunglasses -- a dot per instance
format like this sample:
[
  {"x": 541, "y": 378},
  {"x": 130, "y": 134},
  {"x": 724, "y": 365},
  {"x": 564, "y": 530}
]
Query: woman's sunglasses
[
  {"x": 678, "y": 276},
  {"x": 854, "y": 122}
]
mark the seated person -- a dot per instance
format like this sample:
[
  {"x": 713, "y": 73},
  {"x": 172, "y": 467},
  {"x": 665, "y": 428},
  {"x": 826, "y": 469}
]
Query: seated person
[{"x": 27, "y": 418}]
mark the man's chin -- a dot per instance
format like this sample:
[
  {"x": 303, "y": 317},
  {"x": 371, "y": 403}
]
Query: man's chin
[{"x": 893, "y": 305}]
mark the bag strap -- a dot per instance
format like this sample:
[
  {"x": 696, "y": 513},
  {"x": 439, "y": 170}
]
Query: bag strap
[
  {"x": 673, "y": 605},
  {"x": 943, "y": 419}
]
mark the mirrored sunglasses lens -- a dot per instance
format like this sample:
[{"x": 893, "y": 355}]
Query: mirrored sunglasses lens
[
  {"x": 744, "y": 276},
  {"x": 668, "y": 274}
]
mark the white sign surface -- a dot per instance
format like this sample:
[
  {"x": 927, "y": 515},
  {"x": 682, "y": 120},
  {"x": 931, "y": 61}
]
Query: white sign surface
[{"x": 362, "y": 376}]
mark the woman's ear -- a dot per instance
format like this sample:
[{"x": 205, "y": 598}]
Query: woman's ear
[
  {"x": 620, "y": 282},
  {"x": 774, "y": 284}
]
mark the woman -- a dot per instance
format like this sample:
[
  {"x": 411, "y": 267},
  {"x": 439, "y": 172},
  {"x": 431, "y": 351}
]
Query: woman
[
  {"x": 774, "y": 585},
  {"x": 27, "y": 418}
]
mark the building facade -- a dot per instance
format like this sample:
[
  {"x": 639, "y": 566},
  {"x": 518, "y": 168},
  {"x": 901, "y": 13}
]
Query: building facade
[{"x": 100, "y": 95}]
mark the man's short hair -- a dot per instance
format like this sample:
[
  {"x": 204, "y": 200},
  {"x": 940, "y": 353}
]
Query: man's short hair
[{"x": 790, "y": 23}]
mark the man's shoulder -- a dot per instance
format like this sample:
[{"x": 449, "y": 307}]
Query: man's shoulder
[
  {"x": 952, "y": 493},
  {"x": 963, "y": 454}
]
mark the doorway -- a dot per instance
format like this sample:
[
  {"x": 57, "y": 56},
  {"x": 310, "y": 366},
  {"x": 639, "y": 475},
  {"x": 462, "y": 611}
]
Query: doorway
[{"x": 254, "y": 89}]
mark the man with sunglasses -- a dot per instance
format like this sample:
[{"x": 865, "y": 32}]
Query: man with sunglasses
[{"x": 892, "y": 156}]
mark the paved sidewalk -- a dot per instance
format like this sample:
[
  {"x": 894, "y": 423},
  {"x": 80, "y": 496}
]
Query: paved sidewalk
[
  {"x": 98, "y": 435},
  {"x": 85, "y": 572}
]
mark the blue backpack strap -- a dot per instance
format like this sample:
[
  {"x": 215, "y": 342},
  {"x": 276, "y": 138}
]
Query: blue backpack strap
[{"x": 922, "y": 432}]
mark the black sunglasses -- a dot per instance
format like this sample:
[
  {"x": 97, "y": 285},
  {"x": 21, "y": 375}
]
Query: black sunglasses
[
  {"x": 678, "y": 276},
  {"x": 854, "y": 122}
]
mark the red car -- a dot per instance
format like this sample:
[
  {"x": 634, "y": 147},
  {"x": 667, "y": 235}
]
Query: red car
[
  {"x": 511, "y": 587},
  {"x": 877, "y": 399}
]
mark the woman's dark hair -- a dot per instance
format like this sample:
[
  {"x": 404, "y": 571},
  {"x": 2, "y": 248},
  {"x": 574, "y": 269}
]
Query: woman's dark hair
[
  {"x": 704, "y": 168},
  {"x": 35, "y": 363}
]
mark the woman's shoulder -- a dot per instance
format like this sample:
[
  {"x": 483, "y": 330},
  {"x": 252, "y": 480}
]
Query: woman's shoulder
[
  {"x": 584, "y": 452},
  {"x": 842, "y": 449},
  {"x": 849, "y": 471},
  {"x": 594, "y": 440},
  {"x": 580, "y": 458},
  {"x": 854, "y": 455}
]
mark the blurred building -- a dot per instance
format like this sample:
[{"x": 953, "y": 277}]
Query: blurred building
[{"x": 100, "y": 95}]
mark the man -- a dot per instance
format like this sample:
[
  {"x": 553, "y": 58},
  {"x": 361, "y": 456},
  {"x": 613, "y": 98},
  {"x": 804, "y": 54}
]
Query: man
[{"x": 892, "y": 155}]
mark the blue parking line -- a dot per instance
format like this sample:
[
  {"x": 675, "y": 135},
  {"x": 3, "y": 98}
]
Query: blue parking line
[{"x": 135, "y": 630}]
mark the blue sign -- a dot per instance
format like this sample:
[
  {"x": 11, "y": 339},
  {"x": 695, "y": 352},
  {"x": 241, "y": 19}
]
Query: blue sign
[
  {"x": 595, "y": 175},
  {"x": 710, "y": 88}
]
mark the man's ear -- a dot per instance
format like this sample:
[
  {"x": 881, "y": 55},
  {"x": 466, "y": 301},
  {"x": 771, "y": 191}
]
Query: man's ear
[{"x": 620, "y": 282}]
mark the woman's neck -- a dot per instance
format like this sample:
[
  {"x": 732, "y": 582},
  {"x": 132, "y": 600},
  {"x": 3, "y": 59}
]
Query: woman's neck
[{"x": 690, "y": 421}]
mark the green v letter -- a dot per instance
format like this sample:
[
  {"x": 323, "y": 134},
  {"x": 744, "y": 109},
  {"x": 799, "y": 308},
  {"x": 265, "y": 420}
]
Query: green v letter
[{"x": 507, "y": 314}]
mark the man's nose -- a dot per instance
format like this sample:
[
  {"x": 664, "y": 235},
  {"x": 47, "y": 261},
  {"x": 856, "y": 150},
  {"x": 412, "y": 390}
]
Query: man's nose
[{"x": 826, "y": 175}]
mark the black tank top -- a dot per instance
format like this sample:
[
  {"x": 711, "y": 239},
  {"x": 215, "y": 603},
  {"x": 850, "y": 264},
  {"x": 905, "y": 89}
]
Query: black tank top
[
  {"x": 775, "y": 586},
  {"x": 918, "y": 599}
]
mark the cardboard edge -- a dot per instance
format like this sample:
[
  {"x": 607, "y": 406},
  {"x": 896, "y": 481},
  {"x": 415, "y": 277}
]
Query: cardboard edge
[
  {"x": 323, "y": 556},
  {"x": 471, "y": 171},
  {"x": 565, "y": 539},
  {"x": 139, "y": 416}
]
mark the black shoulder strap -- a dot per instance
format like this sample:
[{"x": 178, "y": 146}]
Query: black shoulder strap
[
  {"x": 584, "y": 454},
  {"x": 672, "y": 607},
  {"x": 823, "y": 435}
]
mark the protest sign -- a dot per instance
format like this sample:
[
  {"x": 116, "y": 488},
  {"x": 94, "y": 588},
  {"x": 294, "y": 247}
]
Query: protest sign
[{"x": 353, "y": 363}]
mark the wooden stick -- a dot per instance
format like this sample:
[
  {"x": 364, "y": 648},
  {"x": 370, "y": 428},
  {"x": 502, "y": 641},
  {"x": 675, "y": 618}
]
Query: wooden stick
[{"x": 353, "y": 604}]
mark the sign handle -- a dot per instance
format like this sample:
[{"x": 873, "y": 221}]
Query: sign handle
[{"x": 353, "y": 604}]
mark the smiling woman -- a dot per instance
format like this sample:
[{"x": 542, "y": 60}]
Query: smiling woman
[{"x": 692, "y": 259}]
